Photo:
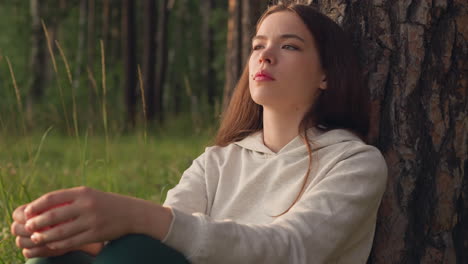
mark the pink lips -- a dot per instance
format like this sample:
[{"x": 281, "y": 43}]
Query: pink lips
[{"x": 263, "y": 76}]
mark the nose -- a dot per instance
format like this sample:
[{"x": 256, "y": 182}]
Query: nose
[
  {"x": 266, "y": 57},
  {"x": 265, "y": 60}
]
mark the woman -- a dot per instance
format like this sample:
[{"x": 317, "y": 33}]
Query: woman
[{"x": 289, "y": 179}]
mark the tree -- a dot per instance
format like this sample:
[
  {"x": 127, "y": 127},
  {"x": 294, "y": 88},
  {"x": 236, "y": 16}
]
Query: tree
[
  {"x": 161, "y": 62},
  {"x": 37, "y": 61},
  {"x": 208, "y": 72},
  {"x": 90, "y": 45},
  {"x": 149, "y": 53},
  {"x": 415, "y": 57},
  {"x": 233, "y": 51},
  {"x": 81, "y": 44},
  {"x": 241, "y": 25},
  {"x": 130, "y": 60}
]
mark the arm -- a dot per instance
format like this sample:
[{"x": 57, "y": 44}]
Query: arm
[
  {"x": 314, "y": 230},
  {"x": 189, "y": 195}
]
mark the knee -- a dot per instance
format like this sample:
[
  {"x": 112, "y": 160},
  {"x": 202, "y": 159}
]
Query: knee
[
  {"x": 74, "y": 257},
  {"x": 38, "y": 261},
  {"x": 137, "y": 248}
]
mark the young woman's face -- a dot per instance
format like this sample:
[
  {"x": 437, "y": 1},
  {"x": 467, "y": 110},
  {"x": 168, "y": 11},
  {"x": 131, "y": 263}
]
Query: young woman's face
[{"x": 284, "y": 68}]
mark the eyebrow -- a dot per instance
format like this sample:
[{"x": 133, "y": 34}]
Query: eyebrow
[{"x": 285, "y": 36}]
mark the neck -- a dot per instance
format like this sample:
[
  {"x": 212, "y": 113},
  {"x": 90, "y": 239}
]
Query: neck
[{"x": 280, "y": 127}]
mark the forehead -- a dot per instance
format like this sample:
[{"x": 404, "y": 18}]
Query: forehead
[{"x": 284, "y": 22}]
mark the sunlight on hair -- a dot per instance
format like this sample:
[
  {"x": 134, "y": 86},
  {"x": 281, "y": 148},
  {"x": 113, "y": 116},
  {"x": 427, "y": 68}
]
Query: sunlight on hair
[{"x": 290, "y": 2}]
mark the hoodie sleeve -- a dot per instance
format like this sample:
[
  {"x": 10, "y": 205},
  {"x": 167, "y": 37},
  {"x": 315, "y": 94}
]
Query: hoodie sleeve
[
  {"x": 315, "y": 230},
  {"x": 189, "y": 195}
]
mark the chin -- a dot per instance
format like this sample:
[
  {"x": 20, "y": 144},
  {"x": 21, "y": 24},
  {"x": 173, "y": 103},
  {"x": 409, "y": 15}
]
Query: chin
[
  {"x": 265, "y": 95},
  {"x": 265, "y": 100}
]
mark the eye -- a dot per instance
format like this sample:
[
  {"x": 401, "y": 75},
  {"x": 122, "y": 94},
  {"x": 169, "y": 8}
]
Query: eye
[
  {"x": 257, "y": 47},
  {"x": 289, "y": 47}
]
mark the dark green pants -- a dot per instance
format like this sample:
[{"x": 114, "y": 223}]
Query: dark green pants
[{"x": 130, "y": 249}]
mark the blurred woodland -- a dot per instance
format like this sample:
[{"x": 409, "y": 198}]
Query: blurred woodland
[{"x": 142, "y": 60}]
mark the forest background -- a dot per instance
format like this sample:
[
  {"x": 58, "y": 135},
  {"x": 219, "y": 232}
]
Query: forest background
[{"x": 122, "y": 95}]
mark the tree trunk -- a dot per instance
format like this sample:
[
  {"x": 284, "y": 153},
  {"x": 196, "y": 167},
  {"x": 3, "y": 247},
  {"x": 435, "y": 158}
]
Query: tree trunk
[
  {"x": 243, "y": 15},
  {"x": 36, "y": 85},
  {"x": 130, "y": 61},
  {"x": 81, "y": 44},
  {"x": 233, "y": 51},
  {"x": 149, "y": 57},
  {"x": 208, "y": 72},
  {"x": 177, "y": 58},
  {"x": 415, "y": 57},
  {"x": 105, "y": 21},
  {"x": 161, "y": 62},
  {"x": 93, "y": 94},
  {"x": 115, "y": 33},
  {"x": 251, "y": 11}
]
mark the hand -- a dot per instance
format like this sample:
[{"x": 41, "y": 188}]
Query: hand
[
  {"x": 88, "y": 216},
  {"x": 23, "y": 240}
]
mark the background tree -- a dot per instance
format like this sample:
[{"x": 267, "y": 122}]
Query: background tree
[
  {"x": 234, "y": 49},
  {"x": 243, "y": 15},
  {"x": 81, "y": 43},
  {"x": 161, "y": 62},
  {"x": 208, "y": 72},
  {"x": 79, "y": 26},
  {"x": 415, "y": 57},
  {"x": 130, "y": 60},
  {"x": 90, "y": 53},
  {"x": 149, "y": 53},
  {"x": 37, "y": 61}
]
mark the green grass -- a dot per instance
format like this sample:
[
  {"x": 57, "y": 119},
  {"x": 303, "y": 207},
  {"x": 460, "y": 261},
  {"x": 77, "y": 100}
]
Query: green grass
[{"x": 142, "y": 167}]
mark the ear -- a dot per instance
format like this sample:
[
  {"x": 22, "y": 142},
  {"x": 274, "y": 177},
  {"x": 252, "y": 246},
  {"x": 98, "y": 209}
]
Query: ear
[{"x": 323, "y": 83}]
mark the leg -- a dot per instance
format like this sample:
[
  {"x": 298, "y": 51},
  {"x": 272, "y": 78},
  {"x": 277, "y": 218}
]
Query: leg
[
  {"x": 74, "y": 257},
  {"x": 138, "y": 249}
]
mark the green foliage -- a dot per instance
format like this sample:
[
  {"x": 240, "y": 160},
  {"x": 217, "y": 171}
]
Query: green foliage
[{"x": 14, "y": 42}]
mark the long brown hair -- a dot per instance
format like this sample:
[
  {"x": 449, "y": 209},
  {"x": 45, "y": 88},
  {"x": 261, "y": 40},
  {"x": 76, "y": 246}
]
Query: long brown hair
[{"x": 344, "y": 104}]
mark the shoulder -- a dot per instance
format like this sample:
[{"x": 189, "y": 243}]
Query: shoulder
[
  {"x": 342, "y": 145},
  {"x": 221, "y": 152}
]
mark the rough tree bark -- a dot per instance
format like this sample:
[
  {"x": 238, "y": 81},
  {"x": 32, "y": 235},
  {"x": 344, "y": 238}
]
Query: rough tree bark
[{"x": 415, "y": 57}]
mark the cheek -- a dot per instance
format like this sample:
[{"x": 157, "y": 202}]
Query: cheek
[
  {"x": 252, "y": 65},
  {"x": 305, "y": 73},
  {"x": 305, "y": 82},
  {"x": 252, "y": 70}
]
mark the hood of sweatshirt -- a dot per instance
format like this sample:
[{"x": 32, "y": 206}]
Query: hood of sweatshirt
[{"x": 317, "y": 138}]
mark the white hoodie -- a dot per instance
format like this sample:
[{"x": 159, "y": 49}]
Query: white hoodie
[{"x": 225, "y": 203}]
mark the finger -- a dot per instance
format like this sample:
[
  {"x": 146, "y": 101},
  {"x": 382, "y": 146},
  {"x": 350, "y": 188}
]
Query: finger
[
  {"x": 41, "y": 251},
  {"x": 74, "y": 241},
  {"x": 26, "y": 242},
  {"x": 35, "y": 252},
  {"x": 18, "y": 229},
  {"x": 18, "y": 214},
  {"x": 52, "y": 199},
  {"x": 51, "y": 217},
  {"x": 60, "y": 232}
]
